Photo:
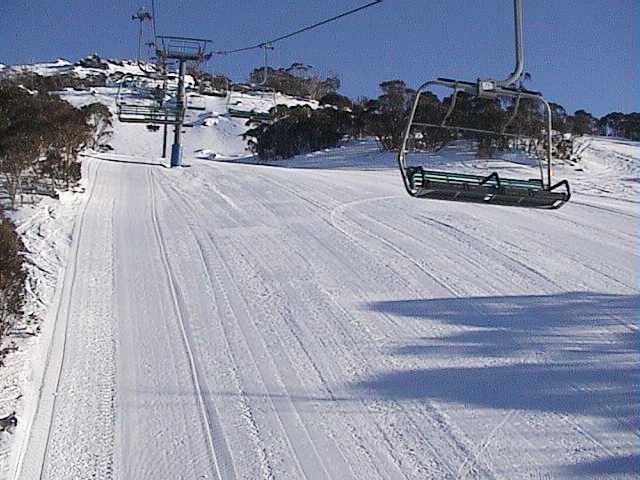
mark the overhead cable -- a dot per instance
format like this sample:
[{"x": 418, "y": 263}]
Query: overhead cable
[{"x": 305, "y": 29}]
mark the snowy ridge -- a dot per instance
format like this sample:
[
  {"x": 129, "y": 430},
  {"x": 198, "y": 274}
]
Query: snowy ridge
[
  {"x": 56, "y": 67},
  {"x": 89, "y": 66}
]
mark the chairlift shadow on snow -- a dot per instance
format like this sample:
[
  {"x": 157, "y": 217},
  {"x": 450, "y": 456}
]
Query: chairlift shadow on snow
[
  {"x": 573, "y": 353},
  {"x": 610, "y": 466},
  {"x": 631, "y": 179}
]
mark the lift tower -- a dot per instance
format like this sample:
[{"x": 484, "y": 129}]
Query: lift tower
[
  {"x": 142, "y": 15},
  {"x": 182, "y": 50}
]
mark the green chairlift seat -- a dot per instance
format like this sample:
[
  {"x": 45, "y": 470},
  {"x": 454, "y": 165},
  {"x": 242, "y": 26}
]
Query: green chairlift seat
[
  {"x": 491, "y": 189},
  {"x": 156, "y": 114},
  {"x": 250, "y": 114}
]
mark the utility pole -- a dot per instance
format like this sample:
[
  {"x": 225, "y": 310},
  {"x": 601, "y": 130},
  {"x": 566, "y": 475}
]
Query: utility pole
[
  {"x": 165, "y": 126},
  {"x": 141, "y": 15}
]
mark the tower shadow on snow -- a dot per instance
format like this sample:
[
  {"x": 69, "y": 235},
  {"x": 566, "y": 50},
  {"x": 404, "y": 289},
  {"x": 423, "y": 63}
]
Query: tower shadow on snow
[{"x": 573, "y": 353}]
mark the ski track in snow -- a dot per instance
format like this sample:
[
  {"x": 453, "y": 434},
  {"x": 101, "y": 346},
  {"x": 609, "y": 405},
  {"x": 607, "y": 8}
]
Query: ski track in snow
[
  {"x": 234, "y": 320},
  {"x": 210, "y": 422},
  {"x": 63, "y": 382},
  {"x": 317, "y": 370},
  {"x": 291, "y": 443}
]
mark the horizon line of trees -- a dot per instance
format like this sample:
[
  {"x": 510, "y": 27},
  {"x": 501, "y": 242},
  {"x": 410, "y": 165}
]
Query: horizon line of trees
[
  {"x": 385, "y": 118},
  {"x": 297, "y": 80},
  {"x": 300, "y": 80}
]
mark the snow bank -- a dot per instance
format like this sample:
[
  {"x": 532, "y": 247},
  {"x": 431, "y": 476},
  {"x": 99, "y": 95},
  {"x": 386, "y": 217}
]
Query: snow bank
[
  {"x": 608, "y": 166},
  {"x": 45, "y": 229}
]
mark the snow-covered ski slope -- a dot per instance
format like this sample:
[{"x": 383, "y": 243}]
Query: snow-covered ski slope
[
  {"x": 209, "y": 129},
  {"x": 310, "y": 320}
]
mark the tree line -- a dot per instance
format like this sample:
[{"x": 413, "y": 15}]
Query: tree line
[
  {"x": 386, "y": 116},
  {"x": 41, "y": 136},
  {"x": 298, "y": 80}
]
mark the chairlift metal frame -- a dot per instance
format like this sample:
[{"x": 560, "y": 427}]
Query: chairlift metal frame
[
  {"x": 182, "y": 48},
  {"x": 430, "y": 184},
  {"x": 157, "y": 113},
  {"x": 193, "y": 104}
]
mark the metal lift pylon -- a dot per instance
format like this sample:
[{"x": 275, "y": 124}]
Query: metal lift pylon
[{"x": 182, "y": 50}]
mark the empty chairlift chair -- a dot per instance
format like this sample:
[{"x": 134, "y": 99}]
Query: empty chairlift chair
[
  {"x": 269, "y": 92},
  {"x": 434, "y": 125},
  {"x": 142, "y": 99}
]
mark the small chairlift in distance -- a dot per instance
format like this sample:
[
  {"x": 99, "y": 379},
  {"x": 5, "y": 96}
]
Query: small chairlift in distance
[
  {"x": 138, "y": 102},
  {"x": 421, "y": 182},
  {"x": 262, "y": 86},
  {"x": 144, "y": 98}
]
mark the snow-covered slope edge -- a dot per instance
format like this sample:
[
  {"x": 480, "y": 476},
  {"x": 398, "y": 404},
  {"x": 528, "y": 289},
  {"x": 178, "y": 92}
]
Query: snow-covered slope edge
[{"x": 46, "y": 230}]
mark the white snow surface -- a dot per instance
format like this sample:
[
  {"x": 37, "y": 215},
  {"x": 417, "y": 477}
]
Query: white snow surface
[
  {"x": 308, "y": 319},
  {"x": 45, "y": 229}
]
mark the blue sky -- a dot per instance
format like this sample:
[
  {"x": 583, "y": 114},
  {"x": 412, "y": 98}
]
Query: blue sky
[{"x": 580, "y": 53}]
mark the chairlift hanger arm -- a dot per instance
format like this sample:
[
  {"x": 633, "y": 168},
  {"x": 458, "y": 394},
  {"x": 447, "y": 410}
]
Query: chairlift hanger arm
[
  {"x": 519, "y": 44},
  {"x": 299, "y": 31}
]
